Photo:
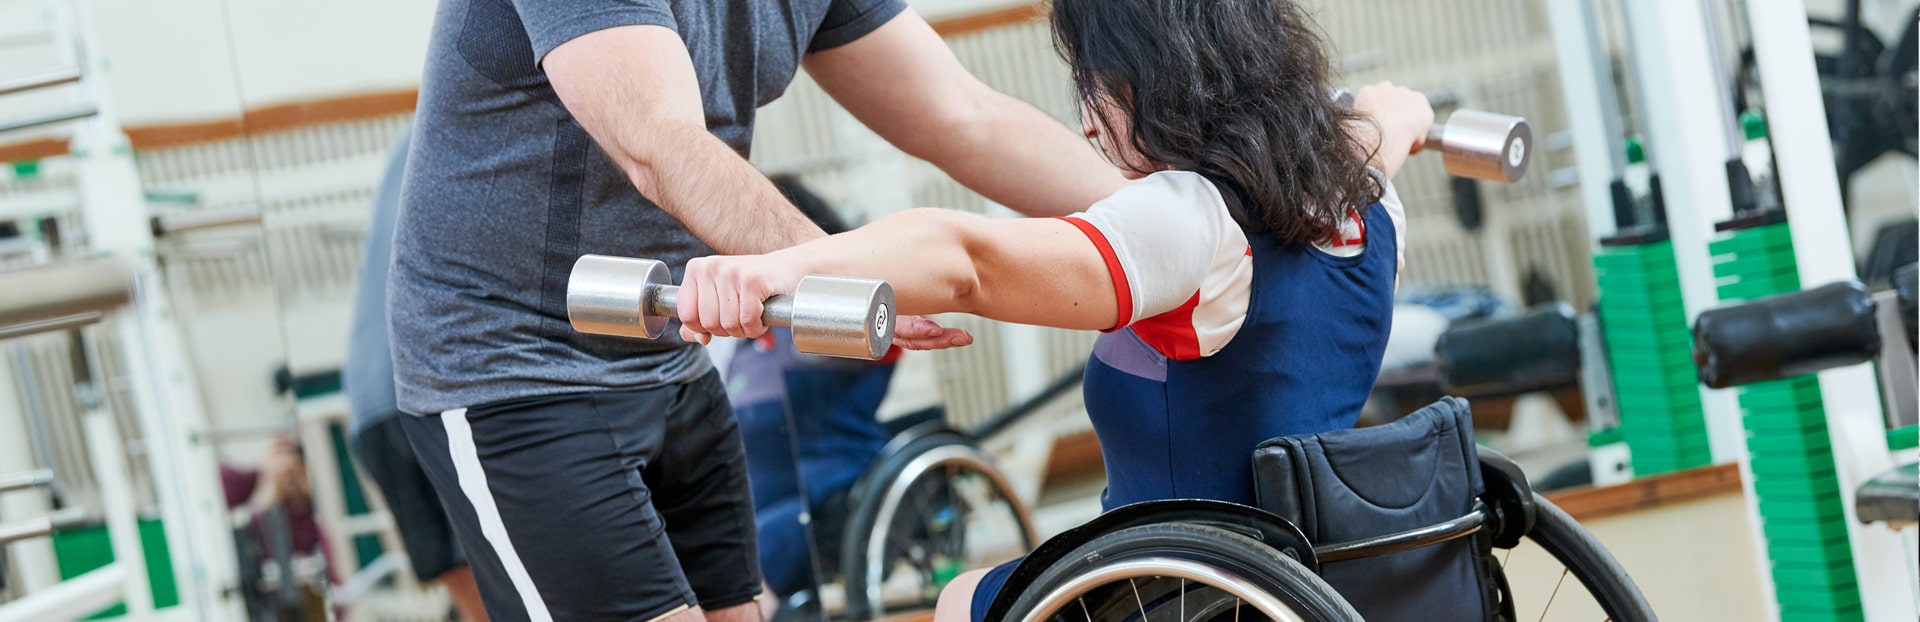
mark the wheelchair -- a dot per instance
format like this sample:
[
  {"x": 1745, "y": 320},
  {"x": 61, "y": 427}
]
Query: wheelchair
[
  {"x": 1202, "y": 560},
  {"x": 929, "y": 506}
]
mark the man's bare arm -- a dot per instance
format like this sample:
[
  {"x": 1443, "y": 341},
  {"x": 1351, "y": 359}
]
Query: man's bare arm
[
  {"x": 903, "y": 81},
  {"x": 634, "y": 89}
]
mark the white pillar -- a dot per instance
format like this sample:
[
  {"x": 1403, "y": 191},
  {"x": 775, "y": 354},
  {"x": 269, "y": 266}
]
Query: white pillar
[
  {"x": 116, "y": 500},
  {"x": 1593, "y": 109},
  {"x": 1803, "y": 152}
]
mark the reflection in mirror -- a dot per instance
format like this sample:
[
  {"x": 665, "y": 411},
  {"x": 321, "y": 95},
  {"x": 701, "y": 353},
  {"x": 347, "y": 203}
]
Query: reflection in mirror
[
  {"x": 165, "y": 440},
  {"x": 325, "y": 132}
]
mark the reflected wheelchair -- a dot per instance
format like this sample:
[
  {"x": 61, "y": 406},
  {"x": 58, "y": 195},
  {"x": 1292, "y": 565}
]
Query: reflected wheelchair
[{"x": 930, "y": 505}]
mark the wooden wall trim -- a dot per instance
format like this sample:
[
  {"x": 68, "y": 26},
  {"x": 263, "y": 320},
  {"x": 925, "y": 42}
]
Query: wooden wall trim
[
  {"x": 33, "y": 149},
  {"x": 1652, "y": 492},
  {"x": 289, "y": 116},
  {"x": 988, "y": 20}
]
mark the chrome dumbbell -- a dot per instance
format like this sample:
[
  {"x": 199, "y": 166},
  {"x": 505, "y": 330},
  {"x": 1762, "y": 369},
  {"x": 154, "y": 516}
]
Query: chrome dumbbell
[
  {"x": 1476, "y": 143},
  {"x": 829, "y": 315}
]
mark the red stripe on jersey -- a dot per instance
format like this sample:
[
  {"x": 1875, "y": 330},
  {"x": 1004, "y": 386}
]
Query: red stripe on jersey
[
  {"x": 1122, "y": 293},
  {"x": 1171, "y": 333},
  {"x": 892, "y": 356}
]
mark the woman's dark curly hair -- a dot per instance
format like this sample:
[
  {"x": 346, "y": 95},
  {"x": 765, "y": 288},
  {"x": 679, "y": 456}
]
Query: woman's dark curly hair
[{"x": 1235, "y": 90}]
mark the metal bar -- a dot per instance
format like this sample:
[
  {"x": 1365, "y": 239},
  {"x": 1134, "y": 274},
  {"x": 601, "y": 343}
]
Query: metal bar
[
  {"x": 200, "y": 220},
  {"x": 69, "y": 599},
  {"x": 29, "y": 479},
  {"x": 1020, "y": 411},
  {"x": 1586, "y": 81},
  {"x": 61, "y": 291},
  {"x": 58, "y": 117},
  {"x": 1405, "y": 540},
  {"x": 40, "y": 81},
  {"x": 42, "y": 526}
]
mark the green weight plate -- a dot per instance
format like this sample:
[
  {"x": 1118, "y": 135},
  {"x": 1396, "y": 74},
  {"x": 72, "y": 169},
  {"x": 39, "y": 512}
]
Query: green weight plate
[
  {"x": 1758, "y": 238},
  {"x": 1656, "y": 341},
  {"x": 1670, "y": 360},
  {"x": 1649, "y": 281},
  {"x": 1903, "y": 438},
  {"x": 1665, "y": 381},
  {"x": 1752, "y": 263},
  {"x": 1794, "y": 614},
  {"x": 1756, "y": 289},
  {"x": 1625, "y": 299},
  {"x": 1832, "y": 573},
  {"x": 1831, "y": 550},
  {"x": 1789, "y": 462},
  {"x": 1772, "y": 275},
  {"x": 1632, "y": 262},
  {"x": 1784, "y": 421},
  {"x": 1792, "y": 390},
  {"x": 1801, "y": 528},
  {"x": 1792, "y": 508},
  {"x": 1811, "y": 487},
  {"x": 1836, "y": 596},
  {"x": 1790, "y": 442}
]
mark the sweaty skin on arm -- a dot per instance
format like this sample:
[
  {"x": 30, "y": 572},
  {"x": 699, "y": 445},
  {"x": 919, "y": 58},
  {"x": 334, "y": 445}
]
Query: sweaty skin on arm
[{"x": 903, "y": 81}]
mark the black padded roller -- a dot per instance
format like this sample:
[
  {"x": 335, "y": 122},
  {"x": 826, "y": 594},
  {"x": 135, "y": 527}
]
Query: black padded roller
[
  {"x": 1903, "y": 282},
  {"x": 1537, "y": 349},
  {"x": 1786, "y": 335}
]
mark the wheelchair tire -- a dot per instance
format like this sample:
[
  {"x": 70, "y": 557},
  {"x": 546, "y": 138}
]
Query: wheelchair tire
[
  {"x": 1212, "y": 564},
  {"x": 878, "y": 505},
  {"x": 1589, "y": 562}
]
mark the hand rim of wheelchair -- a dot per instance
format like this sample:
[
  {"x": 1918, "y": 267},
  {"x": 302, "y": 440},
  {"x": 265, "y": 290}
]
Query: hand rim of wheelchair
[
  {"x": 1157, "y": 567},
  {"x": 945, "y": 447}
]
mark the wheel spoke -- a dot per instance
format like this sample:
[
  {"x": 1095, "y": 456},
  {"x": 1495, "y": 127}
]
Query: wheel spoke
[
  {"x": 1556, "y": 593},
  {"x": 1084, "y": 609},
  {"x": 1136, "y": 599}
]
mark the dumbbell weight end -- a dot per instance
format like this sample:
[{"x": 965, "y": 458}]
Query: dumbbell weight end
[{"x": 1483, "y": 145}]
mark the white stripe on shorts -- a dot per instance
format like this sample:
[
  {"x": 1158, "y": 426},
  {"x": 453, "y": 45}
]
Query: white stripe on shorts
[{"x": 473, "y": 483}]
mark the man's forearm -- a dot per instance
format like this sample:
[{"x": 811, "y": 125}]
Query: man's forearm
[
  {"x": 1019, "y": 157},
  {"x": 720, "y": 197}
]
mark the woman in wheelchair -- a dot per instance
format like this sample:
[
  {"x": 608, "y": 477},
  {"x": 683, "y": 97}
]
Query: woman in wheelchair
[{"x": 1243, "y": 279}]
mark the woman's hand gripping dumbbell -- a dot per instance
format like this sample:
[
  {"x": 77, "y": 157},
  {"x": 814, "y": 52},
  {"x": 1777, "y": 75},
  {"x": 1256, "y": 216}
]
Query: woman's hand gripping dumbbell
[
  {"x": 829, "y": 315},
  {"x": 1472, "y": 143}
]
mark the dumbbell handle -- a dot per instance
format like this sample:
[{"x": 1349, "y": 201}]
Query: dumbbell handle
[{"x": 664, "y": 301}]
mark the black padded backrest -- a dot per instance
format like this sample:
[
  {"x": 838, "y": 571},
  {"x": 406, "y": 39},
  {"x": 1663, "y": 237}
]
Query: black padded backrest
[
  {"x": 1786, "y": 335},
  {"x": 1418, "y": 471},
  {"x": 1535, "y": 350}
]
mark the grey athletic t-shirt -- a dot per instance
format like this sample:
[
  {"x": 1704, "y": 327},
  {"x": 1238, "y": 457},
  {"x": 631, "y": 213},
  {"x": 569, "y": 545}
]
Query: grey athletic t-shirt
[{"x": 504, "y": 190}]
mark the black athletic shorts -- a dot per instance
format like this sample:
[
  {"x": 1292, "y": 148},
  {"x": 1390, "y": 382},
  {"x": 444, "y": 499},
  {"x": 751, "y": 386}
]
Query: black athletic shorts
[
  {"x": 382, "y": 451},
  {"x": 618, "y": 505}
]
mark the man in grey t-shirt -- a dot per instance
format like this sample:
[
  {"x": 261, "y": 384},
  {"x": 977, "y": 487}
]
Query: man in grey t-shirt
[{"x": 598, "y": 478}]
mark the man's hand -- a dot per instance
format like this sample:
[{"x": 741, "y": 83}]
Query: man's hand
[{"x": 724, "y": 295}]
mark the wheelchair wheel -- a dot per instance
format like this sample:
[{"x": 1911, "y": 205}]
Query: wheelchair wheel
[
  {"x": 1608, "y": 588},
  {"x": 1179, "y": 571},
  {"x": 929, "y": 511}
]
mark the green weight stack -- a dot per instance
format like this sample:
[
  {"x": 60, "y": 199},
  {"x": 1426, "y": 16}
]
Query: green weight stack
[
  {"x": 1800, "y": 510},
  {"x": 1649, "y": 348}
]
